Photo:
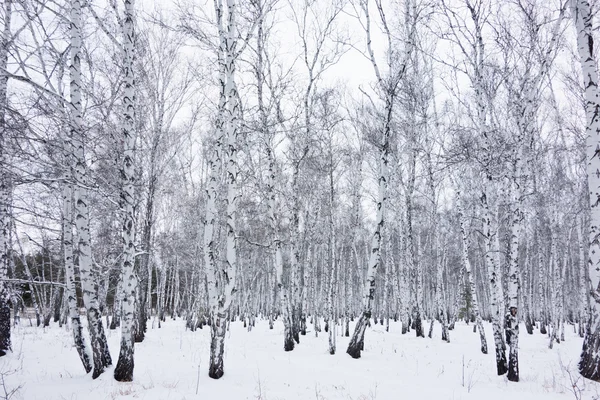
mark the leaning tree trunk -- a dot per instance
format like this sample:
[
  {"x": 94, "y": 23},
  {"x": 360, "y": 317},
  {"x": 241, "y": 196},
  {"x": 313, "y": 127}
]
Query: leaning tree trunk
[
  {"x": 100, "y": 351},
  {"x": 471, "y": 281},
  {"x": 357, "y": 341},
  {"x": 67, "y": 226},
  {"x": 124, "y": 369},
  {"x": 35, "y": 294},
  {"x": 5, "y": 220}
]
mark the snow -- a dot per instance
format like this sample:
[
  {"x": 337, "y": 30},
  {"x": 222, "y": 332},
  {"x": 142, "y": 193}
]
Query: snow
[{"x": 172, "y": 363}]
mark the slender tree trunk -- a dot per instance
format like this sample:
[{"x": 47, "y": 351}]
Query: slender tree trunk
[
  {"x": 67, "y": 226},
  {"x": 386, "y": 281},
  {"x": 221, "y": 283},
  {"x": 583, "y": 281},
  {"x": 271, "y": 211},
  {"x": 541, "y": 293},
  {"x": 471, "y": 282},
  {"x": 357, "y": 341},
  {"x": 295, "y": 253},
  {"x": 492, "y": 265},
  {"x": 512, "y": 318},
  {"x": 35, "y": 294},
  {"x": 100, "y": 351},
  {"x": 5, "y": 218},
  {"x": 124, "y": 369},
  {"x": 332, "y": 260}
]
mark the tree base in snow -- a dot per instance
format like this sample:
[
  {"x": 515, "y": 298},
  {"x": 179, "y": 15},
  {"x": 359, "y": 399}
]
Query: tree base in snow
[
  {"x": 101, "y": 354},
  {"x": 140, "y": 331},
  {"x": 5, "y": 344},
  {"x": 418, "y": 326},
  {"x": 288, "y": 344},
  {"x": 218, "y": 328},
  {"x": 356, "y": 344},
  {"x": 512, "y": 338},
  {"x": 80, "y": 344},
  {"x": 124, "y": 368},
  {"x": 513, "y": 369},
  {"x": 529, "y": 324},
  {"x": 501, "y": 367},
  {"x": 589, "y": 364}
]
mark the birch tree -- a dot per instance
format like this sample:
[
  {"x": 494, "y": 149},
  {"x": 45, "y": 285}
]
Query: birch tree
[
  {"x": 470, "y": 280},
  {"x": 589, "y": 364},
  {"x": 387, "y": 88},
  {"x": 262, "y": 71},
  {"x": 5, "y": 219},
  {"x": 124, "y": 369},
  {"x": 67, "y": 231},
  {"x": 221, "y": 282},
  {"x": 101, "y": 354}
]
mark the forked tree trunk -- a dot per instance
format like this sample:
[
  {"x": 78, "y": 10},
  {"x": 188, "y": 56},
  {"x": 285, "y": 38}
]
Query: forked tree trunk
[
  {"x": 101, "y": 355},
  {"x": 67, "y": 226}
]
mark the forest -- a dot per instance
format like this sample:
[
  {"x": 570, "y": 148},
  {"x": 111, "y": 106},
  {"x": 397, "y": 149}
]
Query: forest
[{"x": 322, "y": 183}]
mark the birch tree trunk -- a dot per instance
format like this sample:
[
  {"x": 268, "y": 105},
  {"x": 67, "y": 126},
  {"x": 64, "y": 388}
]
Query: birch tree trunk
[
  {"x": 332, "y": 258},
  {"x": 100, "y": 352},
  {"x": 583, "y": 286},
  {"x": 589, "y": 365},
  {"x": 471, "y": 281},
  {"x": 124, "y": 369},
  {"x": 5, "y": 219},
  {"x": 221, "y": 282},
  {"x": 276, "y": 244},
  {"x": 71, "y": 293},
  {"x": 357, "y": 341},
  {"x": 388, "y": 89},
  {"x": 295, "y": 304},
  {"x": 541, "y": 294},
  {"x": 492, "y": 266},
  {"x": 512, "y": 319}
]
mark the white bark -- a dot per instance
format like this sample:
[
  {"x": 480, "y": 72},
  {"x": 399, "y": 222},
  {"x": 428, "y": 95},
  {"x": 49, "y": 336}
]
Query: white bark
[
  {"x": 583, "y": 281},
  {"x": 512, "y": 318},
  {"x": 331, "y": 315},
  {"x": 5, "y": 219},
  {"x": 124, "y": 369},
  {"x": 100, "y": 351},
  {"x": 388, "y": 90},
  {"x": 470, "y": 280},
  {"x": 221, "y": 282},
  {"x": 70, "y": 290}
]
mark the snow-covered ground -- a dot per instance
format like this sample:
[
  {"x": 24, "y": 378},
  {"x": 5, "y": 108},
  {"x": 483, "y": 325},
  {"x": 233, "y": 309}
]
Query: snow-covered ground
[{"x": 172, "y": 364}]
